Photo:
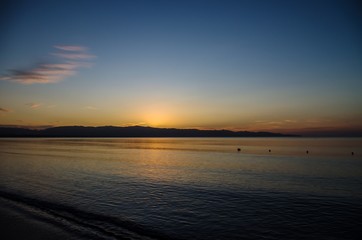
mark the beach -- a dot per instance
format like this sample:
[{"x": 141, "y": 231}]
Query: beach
[{"x": 20, "y": 225}]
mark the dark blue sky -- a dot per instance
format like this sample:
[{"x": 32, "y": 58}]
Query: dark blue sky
[{"x": 214, "y": 64}]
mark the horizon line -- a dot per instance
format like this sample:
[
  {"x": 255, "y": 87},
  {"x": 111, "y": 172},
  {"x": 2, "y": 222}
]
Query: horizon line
[{"x": 303, "y": 132}]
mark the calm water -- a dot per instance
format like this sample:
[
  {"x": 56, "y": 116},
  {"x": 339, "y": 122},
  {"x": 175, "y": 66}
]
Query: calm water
[{"x": 169, "y": 188}]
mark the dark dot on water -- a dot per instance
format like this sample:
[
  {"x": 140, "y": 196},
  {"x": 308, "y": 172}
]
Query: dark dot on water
[
  {"x": 239, "y": 149},
  {"x": 269, "y": 150},
  {"x": 352, "y": 153},
  {"x": 307, "y": 151}
]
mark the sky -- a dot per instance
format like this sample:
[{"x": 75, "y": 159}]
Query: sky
[{"x": 282, "y": 66}]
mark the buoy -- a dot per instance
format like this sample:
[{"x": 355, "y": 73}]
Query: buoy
[
  {"x": 269, "y": 150},
  {"x": 307, "y": 152},
  {"x": 238, "y": 149},
  {"x": 352, "y": 153}
]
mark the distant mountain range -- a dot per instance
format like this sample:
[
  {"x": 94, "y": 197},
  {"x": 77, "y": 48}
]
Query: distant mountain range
[{"x": 133, "y": 131}]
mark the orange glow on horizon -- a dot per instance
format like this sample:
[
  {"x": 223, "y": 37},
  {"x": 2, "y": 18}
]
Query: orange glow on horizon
[{"x": 157, "y": 117}]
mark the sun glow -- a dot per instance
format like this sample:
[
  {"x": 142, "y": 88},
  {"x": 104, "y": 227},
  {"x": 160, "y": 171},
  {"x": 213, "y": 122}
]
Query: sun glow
[{"x": 157, "y": 117}]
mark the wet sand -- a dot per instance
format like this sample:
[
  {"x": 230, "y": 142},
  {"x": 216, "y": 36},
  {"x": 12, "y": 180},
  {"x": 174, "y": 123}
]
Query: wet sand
[{"x": 16, "y": 225}]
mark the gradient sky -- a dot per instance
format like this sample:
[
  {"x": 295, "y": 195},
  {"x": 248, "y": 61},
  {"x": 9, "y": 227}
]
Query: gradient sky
[{"x": 280, "y": 66}]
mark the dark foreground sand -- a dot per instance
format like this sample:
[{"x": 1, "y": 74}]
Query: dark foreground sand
[{"x": 17, "y": 225}]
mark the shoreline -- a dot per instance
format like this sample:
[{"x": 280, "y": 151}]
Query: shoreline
[{"x": 18, "y": 225}]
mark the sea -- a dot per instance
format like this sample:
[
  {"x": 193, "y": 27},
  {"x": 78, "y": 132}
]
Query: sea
[{"x": 186, "y": 188}]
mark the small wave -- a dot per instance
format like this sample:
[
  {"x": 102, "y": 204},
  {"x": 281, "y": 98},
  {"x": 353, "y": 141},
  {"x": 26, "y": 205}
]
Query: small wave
[{"x": 87, "y": 225}]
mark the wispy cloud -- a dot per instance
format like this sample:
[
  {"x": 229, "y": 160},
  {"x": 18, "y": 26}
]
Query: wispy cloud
[
  {"x": 69, "y": 60},
  {"x": 73, "y": 52},
  {"x": 46, "y": 73},
  {"x": 71, "y": 48},
  {"x": 34, "y": 105},
  {"x": 75, "y": 56},
  {"x": 4, "y": 110}
]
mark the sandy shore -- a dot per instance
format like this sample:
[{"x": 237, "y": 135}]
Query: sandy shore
[{"x": 16, "y": 225}]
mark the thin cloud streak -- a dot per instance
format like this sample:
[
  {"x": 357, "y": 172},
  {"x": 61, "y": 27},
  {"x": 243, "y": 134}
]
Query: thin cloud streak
[
  {"x": 71, "y": 48},
  {"x": 34, "y": 105},
  {"x": 4, "y": 110},
  {"x": 53, "y": 72},
  {"x": 45, "y": 73},
  {"x": 75, "y": 56},
  {"x": 73, "y": 52}
]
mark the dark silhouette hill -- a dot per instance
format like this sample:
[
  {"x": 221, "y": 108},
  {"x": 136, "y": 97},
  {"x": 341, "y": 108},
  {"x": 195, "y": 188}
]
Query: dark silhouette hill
[
  {"x": 133, "y": 131},
  {"x": 16, "y": 132}
]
